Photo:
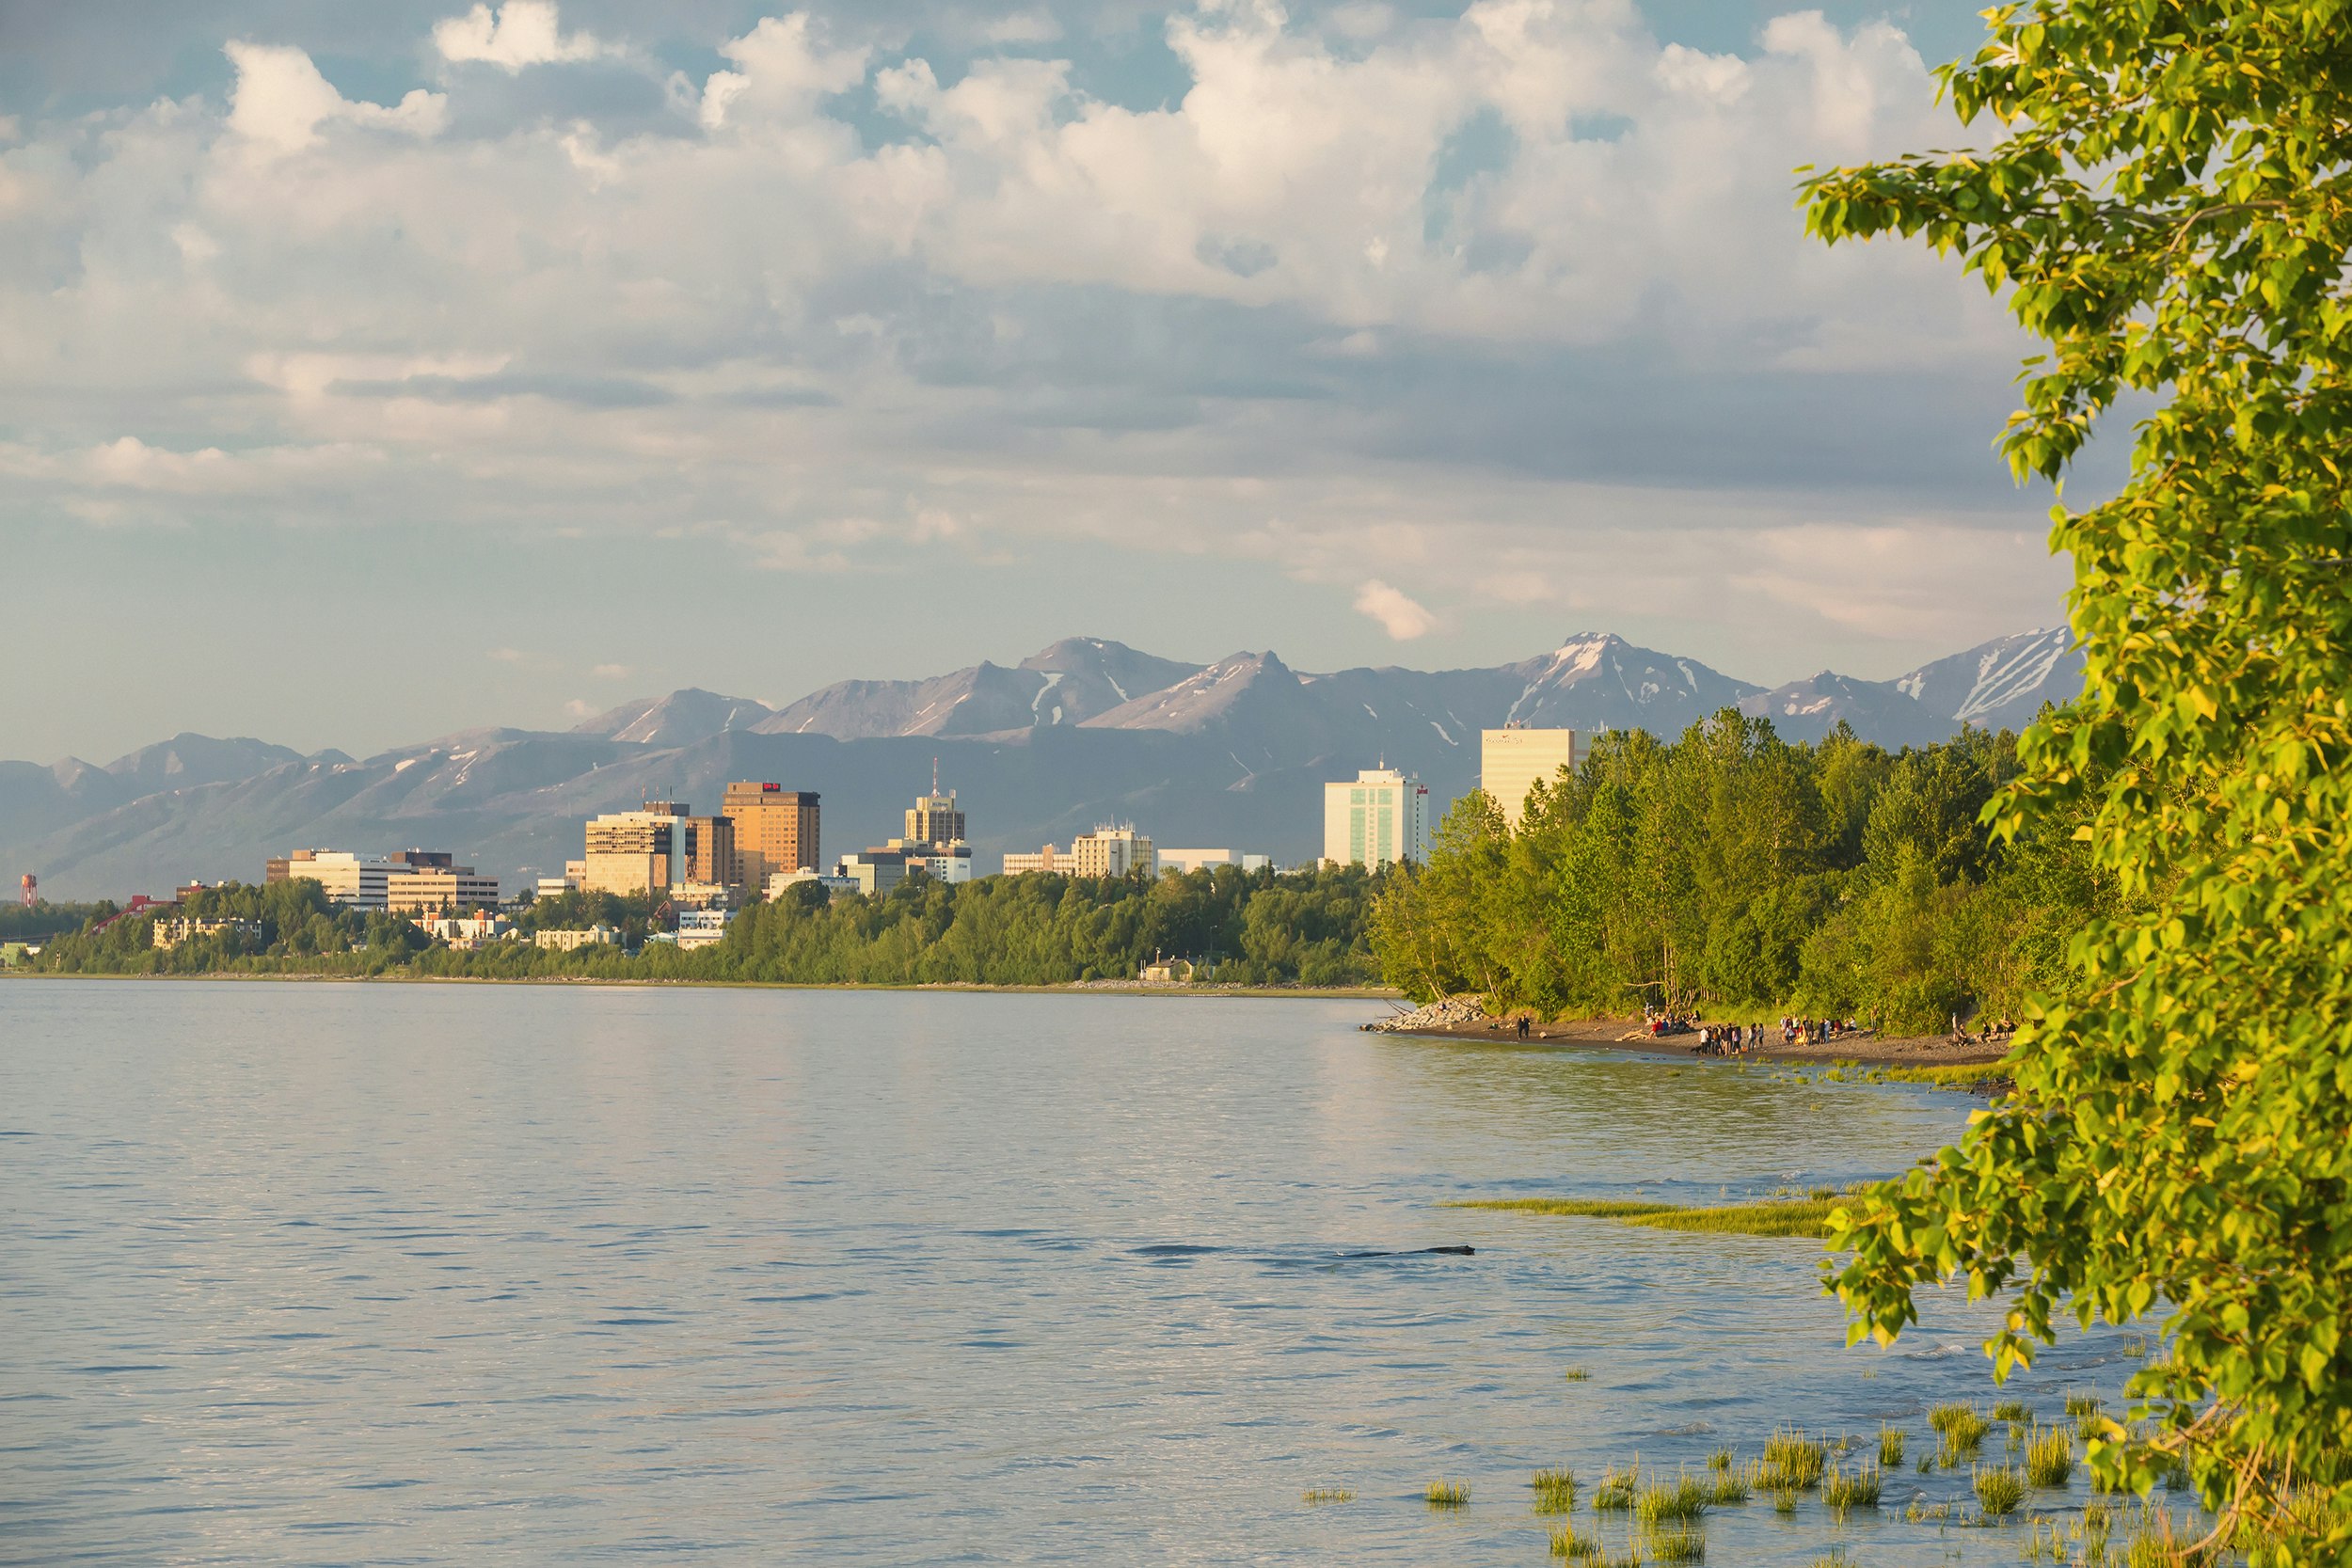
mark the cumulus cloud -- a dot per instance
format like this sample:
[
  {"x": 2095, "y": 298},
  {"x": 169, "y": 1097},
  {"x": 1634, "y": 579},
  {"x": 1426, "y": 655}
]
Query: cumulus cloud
[
  {"x": 1396, "y": 613},
  {"x": 280, "y": 101},
  {"x": 1513, "y": 296},
  {"x": 520, "y": 33}
]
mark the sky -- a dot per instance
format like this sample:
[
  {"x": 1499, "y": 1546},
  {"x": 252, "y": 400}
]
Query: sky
[{"x": 370, "y": 372}]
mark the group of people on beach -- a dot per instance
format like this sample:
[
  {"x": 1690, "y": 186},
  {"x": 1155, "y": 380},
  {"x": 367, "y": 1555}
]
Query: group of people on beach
[{"x": 1734, "y": 1039}]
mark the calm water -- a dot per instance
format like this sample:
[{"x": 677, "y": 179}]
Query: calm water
[{"x": 416, "y": 1274}]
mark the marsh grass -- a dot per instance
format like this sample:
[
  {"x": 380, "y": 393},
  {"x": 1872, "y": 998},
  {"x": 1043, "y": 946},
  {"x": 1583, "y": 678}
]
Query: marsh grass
[
  {"x": 1555, "y": 1491},
  {"x": 1720, "y": 1460},
  {"x": 2050, "y": 1456},
  {"x": 2012, "y": 1410},
  {"x": 1962, "y": 1428},
  {"x": 1614, "y": 1493},
  {"x": 1999, "y": 1489},
  {"x": 1684, "y": 1543},
  {"x": 1843, "y": 1493},
  {"x": 1784, "y": 1500},
  {"x": 1314, "y": 1497},
  {"x": 1806, "y": 1216},
  {"x": 1573, "y": 1545},
  {"x": 1578, "y": 1374},
  {"x": 2081, "y": 1405},
  {"x": 1731, "y": 1486},
  {"x": 1449, "y": 1494},
  {"x": 1683, "y": 1499},
  {"x": 1890, "y": 1447},
  {"x": 1793, "y": 1460}
]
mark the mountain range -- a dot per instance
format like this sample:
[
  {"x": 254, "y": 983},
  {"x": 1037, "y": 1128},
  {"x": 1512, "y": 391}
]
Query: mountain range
[{"x": 1229, "y": 754}]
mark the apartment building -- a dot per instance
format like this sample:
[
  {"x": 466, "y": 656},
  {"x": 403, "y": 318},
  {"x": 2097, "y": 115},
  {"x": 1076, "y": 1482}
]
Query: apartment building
[{"x": 1113, "y": 849}]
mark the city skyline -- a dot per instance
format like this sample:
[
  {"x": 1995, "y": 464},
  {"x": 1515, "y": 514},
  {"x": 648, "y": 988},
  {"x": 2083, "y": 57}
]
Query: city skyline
[{"x": 455, "y": 365}]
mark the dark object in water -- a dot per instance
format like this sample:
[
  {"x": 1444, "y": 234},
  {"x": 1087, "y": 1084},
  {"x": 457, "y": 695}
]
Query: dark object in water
[{"x": 1420, "y": 1252}]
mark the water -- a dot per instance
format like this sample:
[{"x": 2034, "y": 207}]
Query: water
[{"x": 336, "y": 1274}]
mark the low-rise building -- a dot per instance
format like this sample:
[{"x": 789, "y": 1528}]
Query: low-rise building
[
  {"x": 702, "y": 927},
  {"x": 439, "y": 890},
  {"x": 834, "y": 883},
  {"x": 468, "y": 932},
  {"x": 1047, "y": 859},
  {"x": 1167, "y": 972},
  {"x": 354, "y": 881},
  {"x": 556, "y": 887},
  {"x": 171, "y": 931},
  {"x": 1197, "y": 860},
  {"x": 566, "y": 941}
]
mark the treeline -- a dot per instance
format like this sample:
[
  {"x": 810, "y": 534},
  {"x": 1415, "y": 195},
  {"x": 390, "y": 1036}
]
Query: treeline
[
  {"x": 39, "y": 921},
  {"x": 1735, "y": 874},
  {"x": 1240, "y": 928}
]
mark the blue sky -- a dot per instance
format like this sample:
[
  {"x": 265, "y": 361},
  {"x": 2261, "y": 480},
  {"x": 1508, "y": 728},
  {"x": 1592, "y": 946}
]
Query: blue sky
[{"x": 369, "y": 372}]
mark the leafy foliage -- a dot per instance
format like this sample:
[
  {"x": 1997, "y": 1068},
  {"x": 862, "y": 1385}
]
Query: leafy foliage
[
  {"x": 2168, "y": 207},
  {"x": 1733, "y": 871}
]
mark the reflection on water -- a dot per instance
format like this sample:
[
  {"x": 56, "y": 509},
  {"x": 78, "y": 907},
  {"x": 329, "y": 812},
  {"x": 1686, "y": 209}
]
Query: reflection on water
[{"x": 366, "y": 1274}]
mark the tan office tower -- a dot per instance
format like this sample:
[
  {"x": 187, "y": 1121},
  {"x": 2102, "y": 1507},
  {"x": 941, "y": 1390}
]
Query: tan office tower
[
  {"x": 934, "y": 818},
  {"x": 775, "y": 830},
  {"x": 1510, "y": 761},
  {"x": 710, "y": 849}
]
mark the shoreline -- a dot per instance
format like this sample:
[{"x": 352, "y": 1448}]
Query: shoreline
[
  {"x": 1074, "y": 988},
  {"x": 1917, "y": 1051}
]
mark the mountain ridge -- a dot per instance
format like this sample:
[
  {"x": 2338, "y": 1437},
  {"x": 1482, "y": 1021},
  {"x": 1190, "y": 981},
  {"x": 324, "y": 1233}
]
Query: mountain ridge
[{"x": 1232, "y": 752}]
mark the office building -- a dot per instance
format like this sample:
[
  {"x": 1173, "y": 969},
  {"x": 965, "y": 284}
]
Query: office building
[
  {"x": 874, "y": 872},
  {"x": 637, "y": 852},
  {"x": 354, "y": 881},
  {"x": 1513, "y": 760},
  {"x": 934, "y": 818},
  {"x": 279, "y": 868},
  {"x": 946, "y": 863},
  {"x": 833, "y": 882},
  {"x": 439, "y": 890},
  {"x": 1377, "y": 818},
  {"x": 555, "y": 887},
  {"x": 466, "y": 932},
  {"x": 1113, "y": 849},
  {"x": 775, "y": 830},
  {"x": 1197, "y": 860}
]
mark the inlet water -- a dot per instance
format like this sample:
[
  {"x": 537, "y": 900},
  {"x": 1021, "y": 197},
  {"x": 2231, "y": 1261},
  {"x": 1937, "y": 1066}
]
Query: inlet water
[{"x": 377, "y": 1274}]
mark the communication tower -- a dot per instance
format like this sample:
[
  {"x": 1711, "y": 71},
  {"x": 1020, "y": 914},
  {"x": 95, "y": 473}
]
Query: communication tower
[{"x": 32, "y": 890}]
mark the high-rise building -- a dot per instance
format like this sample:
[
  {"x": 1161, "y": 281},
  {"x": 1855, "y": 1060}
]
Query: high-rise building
[
  {"x": 356, "y": 881},
  {"x": 1379, "y": 817},
  {"x": 934, "y": 818},
  {"x": 636, "y": 851},
  {"x": 711, "y": 850},
  {"x": 1511, "y": 761},
  {"x": 1113, "y": 849},
  {"x": 775, "y": 830}
]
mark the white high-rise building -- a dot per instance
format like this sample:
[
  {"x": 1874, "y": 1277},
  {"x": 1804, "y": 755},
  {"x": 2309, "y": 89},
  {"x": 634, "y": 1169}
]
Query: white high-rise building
[
  {"x": 1512, "y": 760},
  {"x": 1380, "y": 817}
]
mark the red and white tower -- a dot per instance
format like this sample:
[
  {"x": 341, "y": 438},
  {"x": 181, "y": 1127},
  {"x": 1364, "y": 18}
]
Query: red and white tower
[{"x": 32, "y": 890}]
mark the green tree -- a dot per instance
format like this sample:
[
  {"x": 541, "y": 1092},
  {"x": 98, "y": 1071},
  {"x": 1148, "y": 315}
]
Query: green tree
[{"x": 2165, "y": 202}]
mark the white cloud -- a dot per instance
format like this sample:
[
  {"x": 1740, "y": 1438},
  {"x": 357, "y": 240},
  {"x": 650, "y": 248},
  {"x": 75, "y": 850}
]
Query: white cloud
[
  {"x": 280, "y": 101},
  {"x": 611, "y": 672},
  {"x": 1398, "y": 615},
  {"x": 521, "y": 33}
]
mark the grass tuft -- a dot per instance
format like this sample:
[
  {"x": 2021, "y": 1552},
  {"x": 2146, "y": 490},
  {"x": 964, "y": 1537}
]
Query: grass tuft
[
  {"x": 1784, "y": 1500},
  {"x": 1578, "y": 1374},
  {"x": 1962, "y": 1427},
  {"x": 1731, "y": 1486},
  {"x": 1678, "y": 1544},
  {"x": 1720, "y": 1460},
  {"x": 1316, "y": 1496},
  {"x": 1555, "y": 1491},
  {"x": 2050, "y": 1457},
  {"x": 1801, "y": 1217},
  {"x": 1999, "y": 1489},
  {"x": 1792, "y": 1460},
  {"x": 2012, "y": 1410},
  {"x": 2081, "y": 1405},
  {"x": 1449, "y": 1494},
  {"x": 1683, "y": 1500},
  {"x": 1843, "y": 1492},
  {"x": 1615, "y": 1492},
  {"x": 1890, "y": 1447},
  {"x": 1567, "y": 1542}
]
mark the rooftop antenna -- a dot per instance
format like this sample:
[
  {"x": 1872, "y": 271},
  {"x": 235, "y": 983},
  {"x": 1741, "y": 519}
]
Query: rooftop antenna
[{"x": 934, "y": 776}]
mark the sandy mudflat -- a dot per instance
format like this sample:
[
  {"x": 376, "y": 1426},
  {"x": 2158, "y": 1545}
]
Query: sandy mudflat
[{"x": 1624, "y": 1034}]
